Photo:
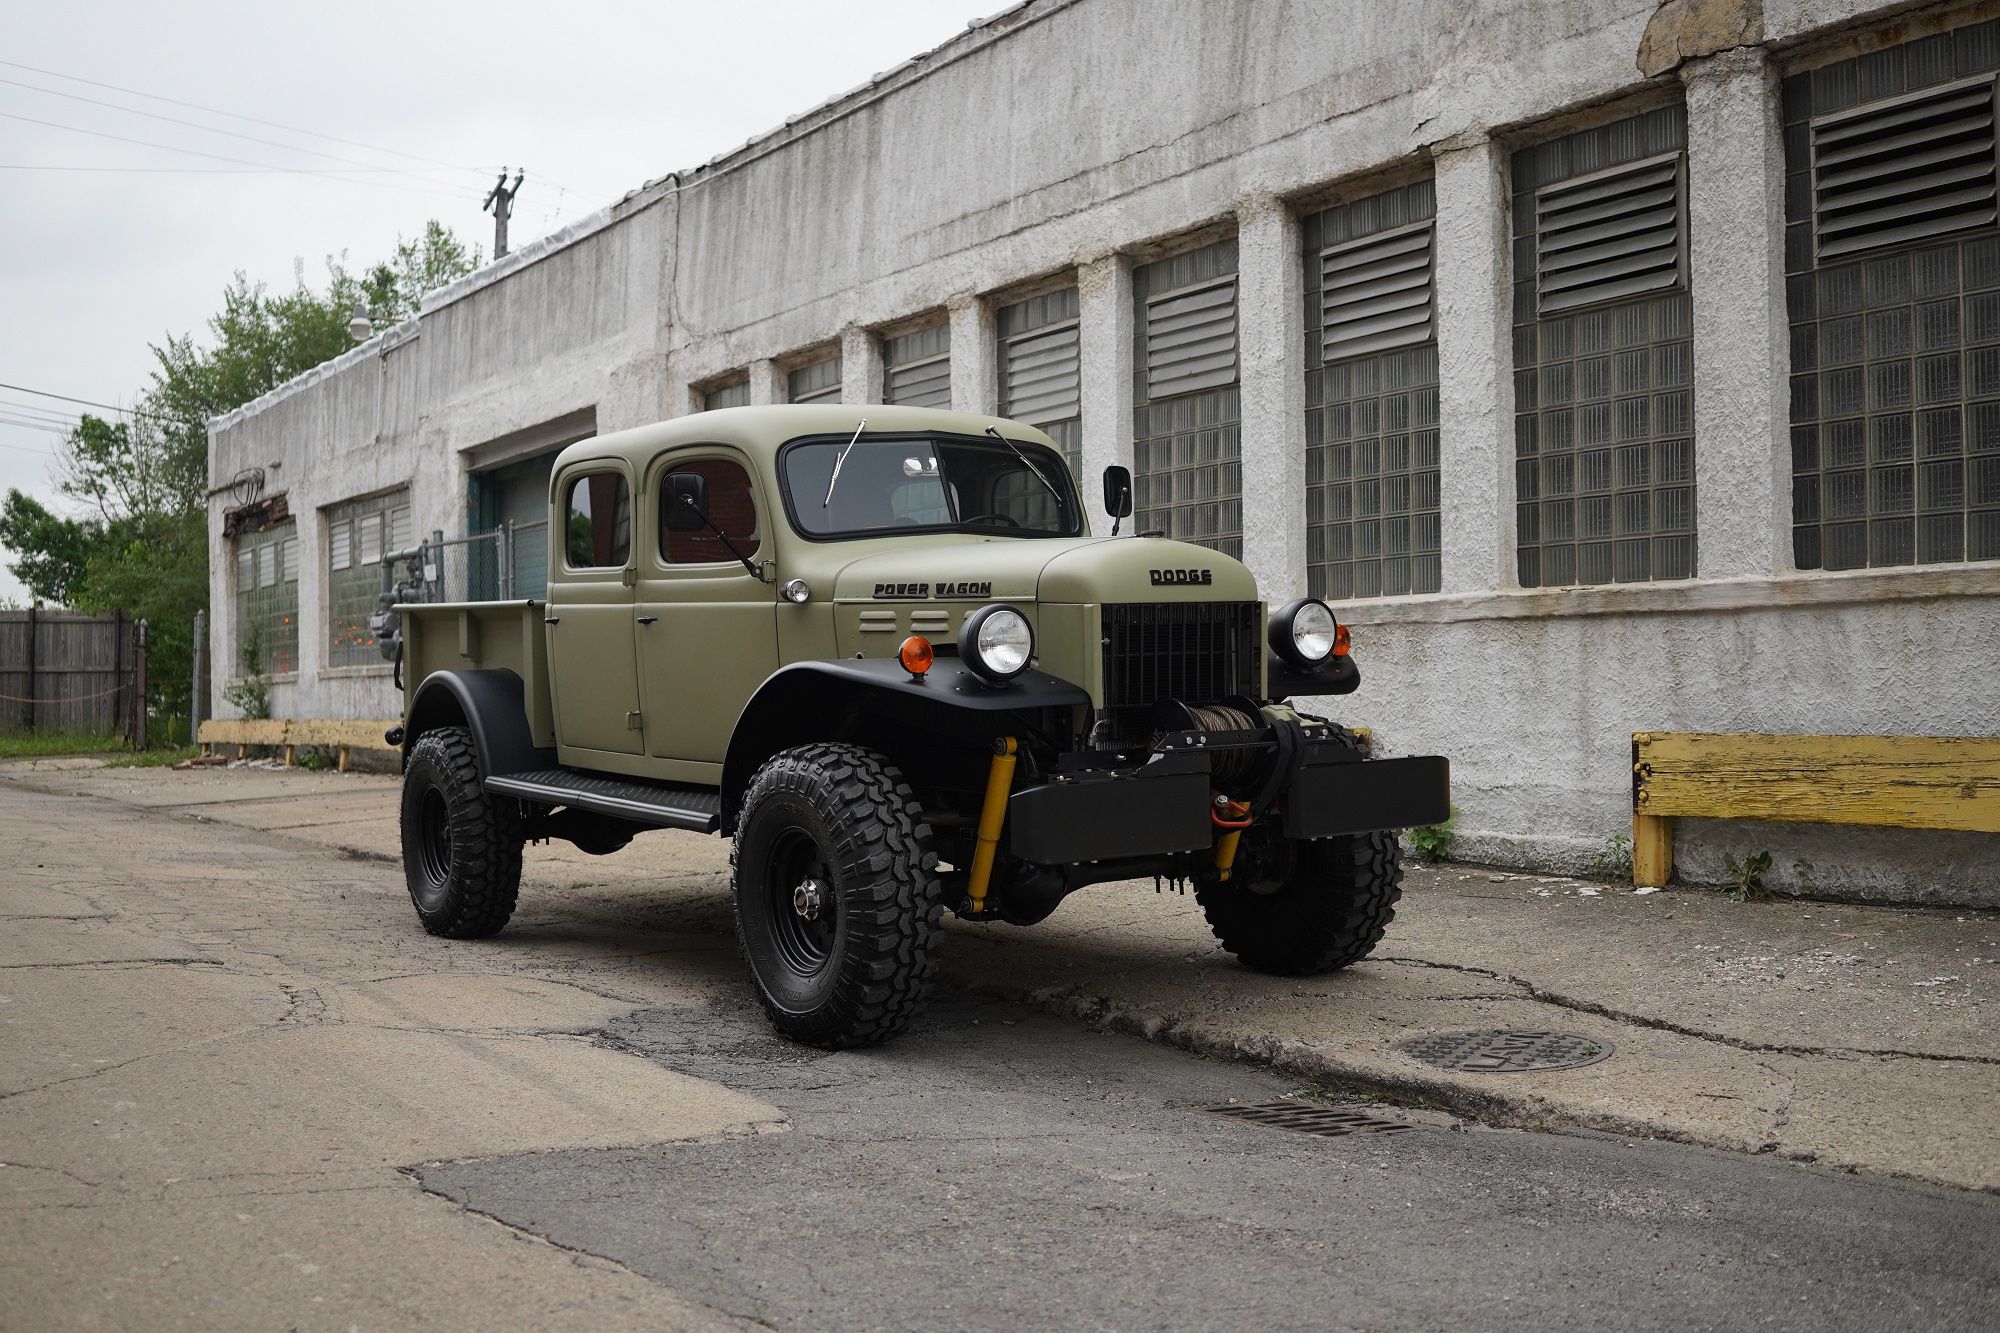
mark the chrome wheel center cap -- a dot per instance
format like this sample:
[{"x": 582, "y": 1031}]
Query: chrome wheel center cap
[{"x": 807, "y": 899}]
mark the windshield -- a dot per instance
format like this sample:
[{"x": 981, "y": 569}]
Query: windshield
[{"x": 901, "y": 483}]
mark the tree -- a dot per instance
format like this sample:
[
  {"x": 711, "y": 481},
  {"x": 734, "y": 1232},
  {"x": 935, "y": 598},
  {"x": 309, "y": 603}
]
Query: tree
[{"x": 141, "y": 542}]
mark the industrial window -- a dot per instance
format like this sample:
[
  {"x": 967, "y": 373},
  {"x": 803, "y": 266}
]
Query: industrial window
[
  {"x": 916, "y": 368},
  {"x": 1603, "y": 366},
  {"x": 358, "y": 534},
  {"x": 1187, "y": 450},
  {"x": 267, "y": 599},
  {"x": 1040, "y": 370},
  {"x": 1892, "y": 291},
  {"x": 731, "y": 505},
  {"x": 597, "y": 527},
  {"x": 1372, "y": 523},
  {"x": 815, "y": 383},
  {"x": 726, "y": 395}
]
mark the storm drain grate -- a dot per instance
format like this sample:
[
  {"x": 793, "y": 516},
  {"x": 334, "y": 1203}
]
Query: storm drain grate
[
  {"x": 1506, "y": 1050},
  {"x": 1321, "y": 1120}
]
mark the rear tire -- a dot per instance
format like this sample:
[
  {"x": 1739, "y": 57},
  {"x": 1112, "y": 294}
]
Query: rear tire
[
  {"x": 1328, "y": 909},
  {"x": 461, "y": 846},
  {"x": 837, "y": 895}
]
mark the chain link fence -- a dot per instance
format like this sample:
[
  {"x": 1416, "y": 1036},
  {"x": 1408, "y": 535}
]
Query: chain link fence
[{"x": 506, "y": 565}]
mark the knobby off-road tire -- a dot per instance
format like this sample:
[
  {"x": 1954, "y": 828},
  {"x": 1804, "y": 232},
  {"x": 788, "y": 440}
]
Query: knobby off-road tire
[
  {"x": 1325, "y": 906},
  {"x": 461, "y": 846},
  {"x": 837, "y": 895},
  {"x": 1329, "y": 910}
]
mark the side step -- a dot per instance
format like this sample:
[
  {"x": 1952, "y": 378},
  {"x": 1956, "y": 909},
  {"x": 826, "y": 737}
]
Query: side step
[{"x": 654, "y": 804}]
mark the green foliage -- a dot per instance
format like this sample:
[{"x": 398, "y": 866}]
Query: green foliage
[
  {"x": 41, "y": 744},
  {"x": 51, "y": 552},
  {"x": 317, "y": 758},
  {"x": 1614, "y": 862},
  {"x": 396, "y": 287},
  {"x": 1746, "y": 877},
  {"x": 161, "y": 758},
  {"x": 250, "y": 693},
  {"x": 1433, "y": 841}
]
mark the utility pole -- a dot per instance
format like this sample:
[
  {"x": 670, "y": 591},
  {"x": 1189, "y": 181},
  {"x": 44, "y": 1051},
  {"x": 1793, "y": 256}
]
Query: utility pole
[{"x": 500, "y": 202}]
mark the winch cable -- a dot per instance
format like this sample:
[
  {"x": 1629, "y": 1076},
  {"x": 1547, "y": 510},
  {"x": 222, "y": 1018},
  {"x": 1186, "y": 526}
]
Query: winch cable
[{"x": 1227, "y": 765}]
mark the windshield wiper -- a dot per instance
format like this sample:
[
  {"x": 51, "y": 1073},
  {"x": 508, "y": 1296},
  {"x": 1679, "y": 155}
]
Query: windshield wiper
[
  {"x": 840, "y": 458},
  {"x": 995, "y": 433}
]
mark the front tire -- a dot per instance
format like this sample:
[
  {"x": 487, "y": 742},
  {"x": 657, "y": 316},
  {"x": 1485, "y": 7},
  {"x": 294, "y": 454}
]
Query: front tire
[
  {"x": 837, "y": 895},
  {"x": 1323, "y": 905},
  {"x": 461, "y": 846}
]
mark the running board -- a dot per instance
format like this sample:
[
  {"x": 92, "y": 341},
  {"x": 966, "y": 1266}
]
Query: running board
[{"x": 654, "y": 804}]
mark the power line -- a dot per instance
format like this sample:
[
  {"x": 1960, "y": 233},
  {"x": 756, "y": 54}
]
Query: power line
[
  {"x": 63, "y": 397},
  {"x": 203, "y": 171}
]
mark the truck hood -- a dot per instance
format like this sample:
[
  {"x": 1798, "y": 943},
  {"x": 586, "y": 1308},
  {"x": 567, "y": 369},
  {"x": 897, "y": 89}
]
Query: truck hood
[{"x": 1048, "y": 569}]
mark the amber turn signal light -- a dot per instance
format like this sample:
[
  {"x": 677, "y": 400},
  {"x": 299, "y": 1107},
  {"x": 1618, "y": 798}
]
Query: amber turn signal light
[
  {"x": 1340, "y": 640},
  {"x": 916, "y": 655}
]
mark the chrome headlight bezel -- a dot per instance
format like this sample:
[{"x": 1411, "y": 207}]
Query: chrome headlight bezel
[{"x": 990, "y": 622}]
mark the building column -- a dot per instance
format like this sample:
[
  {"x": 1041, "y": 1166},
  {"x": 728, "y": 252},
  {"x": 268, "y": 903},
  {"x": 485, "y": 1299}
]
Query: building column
[
  {"x": 1270, "y": 294},
  {"x": 767, "y": 383},
  {"x": 1472, "y": 278},
  {"x": 1104, "y": 354},
  {"x": 1736, "y": 261},
  {"x": 975, "y": 351},
  {"x": 860, "y": 366}
]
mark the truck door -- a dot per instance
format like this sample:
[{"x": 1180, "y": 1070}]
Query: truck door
[
  {"x": 708, "y": 632},
  {"x": 592, "y": 656}
]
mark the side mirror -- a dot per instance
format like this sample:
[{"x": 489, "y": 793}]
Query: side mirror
[
  {"x": 684, "y": 502},
  {"x": 1118, "y": 491}
]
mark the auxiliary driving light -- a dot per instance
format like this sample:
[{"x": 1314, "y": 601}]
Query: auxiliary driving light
[
  {"x": 997, "y": 643},
  {"x": 1304, "y": 632}
]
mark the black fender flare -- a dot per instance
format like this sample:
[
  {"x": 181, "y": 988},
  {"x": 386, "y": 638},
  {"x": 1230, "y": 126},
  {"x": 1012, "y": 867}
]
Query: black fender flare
[
  {"x": 488, "y": 703},
  {"x": 1336, "y": 675},
  {"x": 822, "y": 691}
]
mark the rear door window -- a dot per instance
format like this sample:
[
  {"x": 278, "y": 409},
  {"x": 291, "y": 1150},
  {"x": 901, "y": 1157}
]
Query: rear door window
[{"x": 597, "y": 516}]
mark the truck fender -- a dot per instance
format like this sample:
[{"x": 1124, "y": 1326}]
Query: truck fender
[
  {"x": 807, "y": 701},
  {"x": 488, "y": 703}
]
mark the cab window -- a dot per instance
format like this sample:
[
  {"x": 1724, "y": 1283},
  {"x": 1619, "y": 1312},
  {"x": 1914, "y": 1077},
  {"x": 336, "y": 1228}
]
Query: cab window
[
  {"x": 731, "y": 507},
  {"x": 597, "y": 531}
]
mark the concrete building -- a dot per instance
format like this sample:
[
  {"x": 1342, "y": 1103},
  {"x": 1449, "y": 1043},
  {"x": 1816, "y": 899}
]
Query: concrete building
[{"x": 1610, "y": 365}]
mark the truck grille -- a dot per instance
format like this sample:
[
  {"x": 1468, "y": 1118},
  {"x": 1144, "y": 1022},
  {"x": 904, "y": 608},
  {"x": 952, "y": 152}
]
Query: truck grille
[{"x": 1199, "y": 652}]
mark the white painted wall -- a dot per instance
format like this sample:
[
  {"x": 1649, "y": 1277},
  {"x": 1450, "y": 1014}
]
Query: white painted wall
[{"x": 1068, "y": 136}]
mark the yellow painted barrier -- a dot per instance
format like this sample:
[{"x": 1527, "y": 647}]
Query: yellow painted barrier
[{"x": 1924, "y": 782}]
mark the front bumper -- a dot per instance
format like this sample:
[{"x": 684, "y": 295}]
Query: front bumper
[{"x": 1160, "y": 806}]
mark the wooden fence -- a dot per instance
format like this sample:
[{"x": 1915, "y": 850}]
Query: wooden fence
[{"x": 66, "y": 671}]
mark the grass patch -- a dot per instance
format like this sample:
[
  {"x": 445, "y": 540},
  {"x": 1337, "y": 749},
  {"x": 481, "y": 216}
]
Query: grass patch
[
  {"x": 160, "y": 758},
  {"x": 44, "y": 744}
]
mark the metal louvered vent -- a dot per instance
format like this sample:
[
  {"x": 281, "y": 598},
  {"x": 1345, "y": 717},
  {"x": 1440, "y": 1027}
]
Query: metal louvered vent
[
  {"x": 1191, "y": 340},
  {"x": 1608, "y": 235},
  {"x": 728, "y": 395},
  {"x": 1375, "y": 293},
  {"x": 1900, "y": 172},
  {"x": 1039, "y": 379},
  {"x": 916, "y": 369}
]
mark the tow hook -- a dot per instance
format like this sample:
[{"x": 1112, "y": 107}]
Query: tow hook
[{"x": 1232, "y": 817}]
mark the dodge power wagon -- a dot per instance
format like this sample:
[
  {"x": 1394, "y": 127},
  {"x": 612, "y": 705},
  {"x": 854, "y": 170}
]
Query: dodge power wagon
[{"x": 880, "y": 649}]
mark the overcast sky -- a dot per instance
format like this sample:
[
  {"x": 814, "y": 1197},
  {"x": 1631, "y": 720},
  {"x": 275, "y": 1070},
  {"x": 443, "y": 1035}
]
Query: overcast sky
[{"x": 592, "y": 97}]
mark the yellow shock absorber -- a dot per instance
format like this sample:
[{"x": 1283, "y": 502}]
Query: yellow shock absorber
[
  {"x": 1225, "y": 846},
  {"x": 992, "y": 814}
]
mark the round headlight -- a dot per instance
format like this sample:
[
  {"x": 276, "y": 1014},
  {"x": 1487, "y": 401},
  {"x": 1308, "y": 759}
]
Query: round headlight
[
  {"x": 1303, "y": 632},
  {"x": 997, "y": 643}
]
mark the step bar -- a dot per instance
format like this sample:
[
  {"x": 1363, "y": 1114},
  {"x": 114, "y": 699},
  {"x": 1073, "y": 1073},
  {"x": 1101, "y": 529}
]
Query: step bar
[{"x": 654, "y": 804}]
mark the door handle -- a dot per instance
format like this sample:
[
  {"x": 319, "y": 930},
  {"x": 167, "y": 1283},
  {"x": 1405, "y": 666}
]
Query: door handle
[
  {"x": 647, "y": 620},
  {"x": 551, "y": 620}
]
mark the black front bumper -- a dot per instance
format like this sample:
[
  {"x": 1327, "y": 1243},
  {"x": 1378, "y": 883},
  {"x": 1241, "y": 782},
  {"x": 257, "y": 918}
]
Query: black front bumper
[{"x": 1160, "y": 806}]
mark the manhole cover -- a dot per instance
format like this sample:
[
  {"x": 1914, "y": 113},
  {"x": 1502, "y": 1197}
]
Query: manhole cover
[
  {"x": 1506, "y": 1050},
  {"x": 1321, "y": 1120}
]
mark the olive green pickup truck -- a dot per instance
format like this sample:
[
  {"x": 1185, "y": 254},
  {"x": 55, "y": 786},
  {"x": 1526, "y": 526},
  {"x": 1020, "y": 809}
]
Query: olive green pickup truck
[{"x": 880, "y": 649}]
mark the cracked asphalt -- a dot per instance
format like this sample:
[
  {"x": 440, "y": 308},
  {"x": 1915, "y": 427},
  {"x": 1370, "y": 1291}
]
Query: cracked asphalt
[{"x": 240, "y": 1088}]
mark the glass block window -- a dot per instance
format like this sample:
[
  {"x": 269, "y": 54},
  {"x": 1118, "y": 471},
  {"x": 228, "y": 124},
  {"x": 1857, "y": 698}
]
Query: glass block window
[
  {"x": 1603, "y": 364},
  {"x": 736, "y": 394},
  {"x": 1041, "y": 381},
  {"x": 358, "y": 534},
  {"x": 815, "y": 383},
  {"x": 1372, "y": 523},
  {"x": 267, "y": 599},
  {"x": 916, "y": 368},
  {"x": 1187, "y": 407},
  {"x": 1892, "y": 292}
]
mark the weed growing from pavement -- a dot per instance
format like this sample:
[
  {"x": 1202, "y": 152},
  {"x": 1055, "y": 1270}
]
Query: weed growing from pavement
[
  {"x": 164, "y": 757},
  {"x": 1614, "y": 862},
  {"x": 1433, "y": 841},
  {"x": 1746, "y": 877}
]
